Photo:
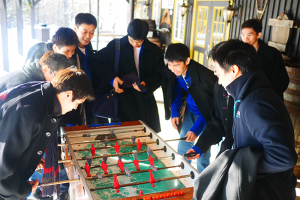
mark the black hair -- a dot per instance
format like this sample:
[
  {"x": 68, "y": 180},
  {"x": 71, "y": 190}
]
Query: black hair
[
  {"x": 85, "y": 18},
  {"x": 177, "y": 52},
  {"x": 138, "y": 29},
  {"x": 56, "y": 61},
  {"x": 65, "y": 37},
  {"x": 75, "y": 80},
  {"x": 253, "y": 23},
  {"x": 235, "y": 52}
]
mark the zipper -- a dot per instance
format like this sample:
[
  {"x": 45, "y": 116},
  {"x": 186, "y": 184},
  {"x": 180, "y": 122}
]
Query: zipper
[{"x": 237, "y": 101}]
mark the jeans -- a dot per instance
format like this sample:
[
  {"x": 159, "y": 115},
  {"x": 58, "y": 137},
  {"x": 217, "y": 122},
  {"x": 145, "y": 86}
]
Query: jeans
[{"x": 183, "y": 146}]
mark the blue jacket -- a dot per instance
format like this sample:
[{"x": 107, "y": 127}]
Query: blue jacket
[
  {"x": 261, "y": 120},
  {"x": 180, "y": 84}
]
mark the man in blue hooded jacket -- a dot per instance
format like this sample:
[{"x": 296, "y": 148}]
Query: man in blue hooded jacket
[{"x": 260, "y": 119}]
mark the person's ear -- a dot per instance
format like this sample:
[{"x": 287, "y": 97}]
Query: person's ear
[
  {"x": 45, "y": 68},
  {"x": 69, "y": 94},
  {"x": 259, "y": 35},
  {"x": 75, "y": 28},
  {"x": 188, "y": 60},
  {"x": 236, "y": 71},
  {"x": 55, "y": 48}
]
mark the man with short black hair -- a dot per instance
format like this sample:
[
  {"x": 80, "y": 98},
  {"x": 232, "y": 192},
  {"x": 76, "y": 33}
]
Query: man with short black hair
[
  {"x": 140, "y": 57},
  {"x": 185, "y": 76},
  {"x": 64, "y": 41},
  {"x": 30, "y": 114},
  {"x": 261, "y": 122},
  {"x": 50, "y": 64},
  {"x": 269, "y": 58}
]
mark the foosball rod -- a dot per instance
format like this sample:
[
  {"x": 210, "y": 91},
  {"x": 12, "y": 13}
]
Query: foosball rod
[
  {"x": 144, "y": 182},
  {"x": 146, "y": 160},
  {"x": 122, "y": 145},
  {"x": 58, "y": 182},
  {"x": 113, "y": 139},
  {"x": 113, "y": 155},
  {"x": 104, "y": 176},
  {"x": 134, "y": 172},
  {"x": 106, "y": 134}
]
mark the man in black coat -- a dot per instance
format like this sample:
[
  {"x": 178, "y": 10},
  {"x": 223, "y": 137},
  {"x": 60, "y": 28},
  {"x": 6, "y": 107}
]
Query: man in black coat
[
  {"x": 184, "y": 75},
  {"x": 269, "y": 58},
  {"x": 29, "y": 116},
  {"x": 141, "y": 57},
  {"x": 50, "y": 64},
  {"x": 260, "y": 119}
]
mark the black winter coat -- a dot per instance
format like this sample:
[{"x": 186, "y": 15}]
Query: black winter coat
[
  {"x": 201, "y": 89},
  {"x": 133, "y": 105},
  {"x": 271, "y": 62},
  {"x": 30, "y": 72},
  {"x": 34, "y": 55},
  {"x": 27, "y": 123},
  {"x": 221, "y": 123}
]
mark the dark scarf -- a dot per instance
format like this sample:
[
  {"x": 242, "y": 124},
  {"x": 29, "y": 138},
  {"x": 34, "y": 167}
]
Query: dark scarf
[{"x": 51, "y": 170}]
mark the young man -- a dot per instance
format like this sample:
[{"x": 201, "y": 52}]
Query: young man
[
  {"x": 270, "y": 61},
  {"x": 64, "y": 41},
  {"x": 29, "y": 116},
  {"x": 186, "y": 75},
  {"x": 49, "y": 65},
  {"x": 141, "y": 57},
  {"x": 260, "y": 120},
  {"x": 269, "y": 58}
]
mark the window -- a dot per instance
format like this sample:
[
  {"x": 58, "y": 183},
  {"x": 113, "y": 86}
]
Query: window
[
  {"x": 156, "y": 12},
  {"x": 179, "y": 23},
  {"x": 218, "y": 27},
  {"x": 202, "y": 17},
  {"x": 141, "y": 11}
]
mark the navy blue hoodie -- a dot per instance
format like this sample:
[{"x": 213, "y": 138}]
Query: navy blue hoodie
[{"x": 261, "y": 120}]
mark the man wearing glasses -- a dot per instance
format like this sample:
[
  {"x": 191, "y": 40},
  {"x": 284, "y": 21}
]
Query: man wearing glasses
[
  {"x": 50, "y": 64},
  {"x": 269, "y": 58}
]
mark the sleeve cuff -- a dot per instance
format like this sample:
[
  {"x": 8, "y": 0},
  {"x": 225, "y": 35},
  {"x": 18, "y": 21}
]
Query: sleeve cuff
[
  {"x": 197, "y": 150},
  {"x": 112, "y": 81}
]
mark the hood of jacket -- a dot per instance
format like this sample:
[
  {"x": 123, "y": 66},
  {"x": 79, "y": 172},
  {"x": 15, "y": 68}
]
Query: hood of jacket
[
  {"x": 246, "y": 83},
  {"x": 33, "y": 71}
]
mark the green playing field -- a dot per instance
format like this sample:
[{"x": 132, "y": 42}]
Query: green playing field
[{"x": 123, "y": 179}]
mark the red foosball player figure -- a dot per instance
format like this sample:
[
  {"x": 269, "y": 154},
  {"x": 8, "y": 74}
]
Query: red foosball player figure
[
  {"x": 87, "y": 169},
  {"x": 120, "y": 164},
  {"x": 117, "y": 147},
  {"x": 93, "y": 150},
  {"x": 141, "y": 193},
  {"x": 151, "y": 178},
  {"x": 104, "y": 167},
  {"x": 136, "y": 164},
  {"x": 151, "y": 161},
  {"x": 116, "y": 183},
  {"x": 139, "y": 145}
]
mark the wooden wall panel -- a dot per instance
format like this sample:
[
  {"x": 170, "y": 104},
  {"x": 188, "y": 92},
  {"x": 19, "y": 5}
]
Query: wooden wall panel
[{"x": 273, "y": 9}]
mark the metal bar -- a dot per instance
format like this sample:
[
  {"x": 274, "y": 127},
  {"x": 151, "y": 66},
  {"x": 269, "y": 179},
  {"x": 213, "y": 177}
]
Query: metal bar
[
  {"x": 32, "y": 20},
  {"x": 85, "y": 135},
  {"x": 109, "y": 147},
  {"x": 112, "y": 155},
  {"x": 144, "y": 182},
  {"x": 146, "y": 160},
  {"x": 97, "y": 34},
  {"x": 58, "y": 182},
  {"x": 19, "y": 26},
  {"x": 133, "y": 172},
  {"x": 113, "y": 139},
  {"x": 4, "y": 36}
]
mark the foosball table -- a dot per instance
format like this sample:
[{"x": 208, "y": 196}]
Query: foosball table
[{"x": 125, "y": 160}]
